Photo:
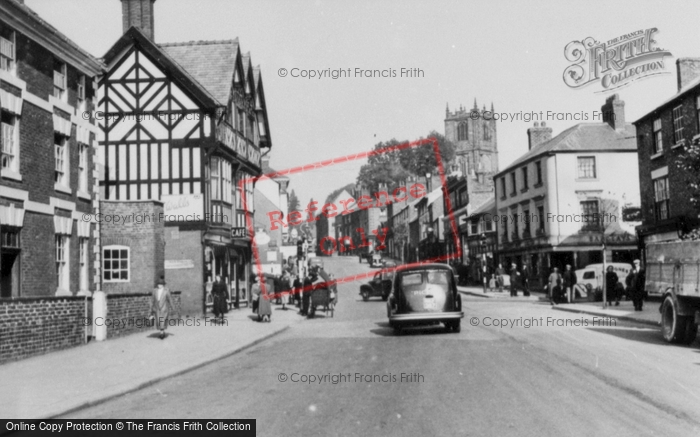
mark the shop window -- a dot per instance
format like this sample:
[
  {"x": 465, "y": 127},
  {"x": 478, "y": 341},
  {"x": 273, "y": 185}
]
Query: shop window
[{"x": 10, "y": 142}]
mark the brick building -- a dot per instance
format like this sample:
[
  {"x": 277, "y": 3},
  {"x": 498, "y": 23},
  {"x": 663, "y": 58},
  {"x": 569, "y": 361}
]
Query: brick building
[
  {"x": 47, "y": 179},
  {"x": 184, "y": 125},
  {"x": 662, "y": 136}
]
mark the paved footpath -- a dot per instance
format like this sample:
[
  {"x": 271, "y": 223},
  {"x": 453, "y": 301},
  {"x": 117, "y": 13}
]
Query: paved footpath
[
  {"x": 650, "y": 315},
  {"x": 58, "y": 383}
]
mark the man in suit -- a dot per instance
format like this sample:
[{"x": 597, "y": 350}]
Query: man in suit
[
  {"x": 635, "y": 285},
  {"x": 514, "y": 280},
  {"x": 569, "y": 280}
]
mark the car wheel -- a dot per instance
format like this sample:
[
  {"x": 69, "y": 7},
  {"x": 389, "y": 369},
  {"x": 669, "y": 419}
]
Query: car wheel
[
  {"x": 365, "y": 296},
  {"x": 398, "y": 330},
  {"x": 385, "y": 297},
  {"x": 456, "y": 326},
  {"x": 691, "y": 330}
]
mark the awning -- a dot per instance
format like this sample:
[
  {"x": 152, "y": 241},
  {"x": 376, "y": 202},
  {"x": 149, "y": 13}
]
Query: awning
[
  {"x": 11, "y": 103},
  {"x": 11, "y": 216},
  {"x": 61, "y": 125}
]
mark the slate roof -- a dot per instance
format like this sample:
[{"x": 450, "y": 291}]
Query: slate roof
[
  {"x": 211, "y": 63},
  {"x": 486, "y": 207},
  {"x": 588, "y": 137}
]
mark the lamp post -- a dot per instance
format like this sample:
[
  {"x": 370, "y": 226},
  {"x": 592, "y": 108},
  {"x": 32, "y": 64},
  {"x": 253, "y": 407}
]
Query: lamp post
[{"x": 482, "y": 243}]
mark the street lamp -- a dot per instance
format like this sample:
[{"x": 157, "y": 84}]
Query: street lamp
[
  {"x": 427, "y": 181},
  {"x": 482, "y": 243}
]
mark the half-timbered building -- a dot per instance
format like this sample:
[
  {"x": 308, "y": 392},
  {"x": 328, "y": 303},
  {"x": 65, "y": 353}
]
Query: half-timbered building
[{"x": 183, "y": 124}]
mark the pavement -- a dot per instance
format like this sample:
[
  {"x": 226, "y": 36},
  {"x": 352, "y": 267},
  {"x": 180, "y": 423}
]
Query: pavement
[
  {"x": 71, "y": 379},
  {"x": 479, "y": 292},
  {"x": 650, "y": 314}
]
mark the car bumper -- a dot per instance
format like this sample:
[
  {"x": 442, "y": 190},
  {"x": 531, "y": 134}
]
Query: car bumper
[{"x": 425, "y": 317}]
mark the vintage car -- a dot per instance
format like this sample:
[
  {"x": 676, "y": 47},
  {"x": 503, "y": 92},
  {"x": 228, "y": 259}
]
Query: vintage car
[
  {"x": 425, "y": 294},
  {"x": 379, "y": 286}
]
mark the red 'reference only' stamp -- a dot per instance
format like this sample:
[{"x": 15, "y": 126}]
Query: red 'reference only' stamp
[{"x": 328, "y": 244}]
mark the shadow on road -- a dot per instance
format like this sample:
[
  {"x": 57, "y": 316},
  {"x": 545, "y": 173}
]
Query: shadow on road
[
  {"x": 644, "y": 335},
  {"x": 385, "y": 330}
]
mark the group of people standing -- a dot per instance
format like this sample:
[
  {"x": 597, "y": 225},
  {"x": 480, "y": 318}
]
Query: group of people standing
[{"x": 519, "y": 280}]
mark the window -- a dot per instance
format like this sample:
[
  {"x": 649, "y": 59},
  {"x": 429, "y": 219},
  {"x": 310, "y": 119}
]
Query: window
[
  {"x": 487, "y": 133},
  {"x": 59, "y": 80},
  {"x": 586, "y": 167},
  {"x": 538, "y": 169},
  {"x": 512, "y": 181},
  {"x": 462, "y": 131},
  {"x": 115, "y": 264},
  {"x": 61, "y": 159},
  {"x": 10, "y": 237},
  {"x": 589, "y": 215},
  {"x": 83, "y": 258},
  {"x": 677, "y": 123},
  {"x": 10, "y": 142},
  {"x": 473, "y": 228},
  {"x": 83, "y": 169},
  {"x": 488, "y": 225},
  {"x": 81, "y": 94},
  {"x": 525, "y": 181},
  {"x": 503, "y": 187},
  {"x": 540, "y": 217},
  {"x": 661, "y": 198},
  {"x": 526, "y": 223},
  {"x": 463, "y": 197},
  {"x": 215, "y": 179},
  {"x": 658, "y": 138},
  {"x": 240, "y": 124},
  {"x": 516, "y": 231},
  {"x": 7, "y": 51},
  {"x": 505, "y": 230},
  {"x": 62, "y": 257}
]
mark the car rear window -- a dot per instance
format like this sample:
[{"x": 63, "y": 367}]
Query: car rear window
[
  {"x": 438, "y": 278},
  {"x": 412, "y": 278},
  {"x": 589, "y": 275}
]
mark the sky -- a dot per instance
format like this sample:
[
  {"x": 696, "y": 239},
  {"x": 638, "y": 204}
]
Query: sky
[{"x": 509, "y": 53}]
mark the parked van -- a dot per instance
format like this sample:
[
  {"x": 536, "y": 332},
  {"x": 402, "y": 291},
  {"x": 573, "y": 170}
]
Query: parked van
[{"x": 590, "y": 279}]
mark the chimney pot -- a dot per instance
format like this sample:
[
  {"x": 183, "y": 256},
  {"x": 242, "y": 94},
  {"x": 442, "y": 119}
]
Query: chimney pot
[
  {"x": 687, "y": 69},
  {"x": 614, "y": 112},
  {"x": 538, "y": 134},
  {"x": 138, "y": 13}
]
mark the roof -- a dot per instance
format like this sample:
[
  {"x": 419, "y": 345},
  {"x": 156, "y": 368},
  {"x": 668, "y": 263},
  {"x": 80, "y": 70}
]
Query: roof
[
  {"x": 430, "y": 266},
  {"x": 588, "y": 137},
  {"x": 162, "y": 58},
  {"x": 266, "y": 170},
  {"x": 211, "y": 63},
  {"x": 486, "y": 207},
  {"x": 689, "y": 86},
  {"x": 92, "y": 62}
]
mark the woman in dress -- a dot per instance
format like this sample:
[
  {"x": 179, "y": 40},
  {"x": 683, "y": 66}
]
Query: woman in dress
[{"x": 161, "y": 306}]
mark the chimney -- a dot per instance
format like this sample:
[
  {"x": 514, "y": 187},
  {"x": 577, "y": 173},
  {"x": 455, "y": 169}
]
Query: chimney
[
  {"x": 138, "y": 13},
  {"x": 614, "y": 112},
  {"x": 538, "y": 134},
  {"x": 687, "y": 69}
]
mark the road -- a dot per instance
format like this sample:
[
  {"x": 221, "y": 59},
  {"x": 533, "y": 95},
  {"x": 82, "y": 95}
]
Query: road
[{"x": 545, "y": 380}]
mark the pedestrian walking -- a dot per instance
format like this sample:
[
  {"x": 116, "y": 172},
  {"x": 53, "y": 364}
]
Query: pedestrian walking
[
  {"x": 569, "y": 280},
  {"x": 525, "y": 280},
  {"x": 306, "y": 292},
  {"x": 555, "y": 290},
  {"x": 220, "y": 294},
  {"x": 635, "y": 285},
  {"x": 514, "y": 280},
  {"x": 160, "y": 307},
  {"x": 264, "y": 306},
  {"x": 611, "y": 289},
  {"x": 500, "y": 273}
]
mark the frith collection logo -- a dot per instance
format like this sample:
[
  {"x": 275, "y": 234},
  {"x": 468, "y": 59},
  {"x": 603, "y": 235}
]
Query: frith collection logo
[{"x": 614, "y": 63}]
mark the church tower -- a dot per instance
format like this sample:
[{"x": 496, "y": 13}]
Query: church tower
[{"x": 473, "y": 131}]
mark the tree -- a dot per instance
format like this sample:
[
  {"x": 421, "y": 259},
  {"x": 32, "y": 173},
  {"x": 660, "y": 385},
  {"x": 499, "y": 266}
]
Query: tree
[
  {"x": 293, "y": 202},
  {"x": 382, "y": 169},
  {"x": 421, "y": 160},
  {"x": 689, "y": 162}
]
